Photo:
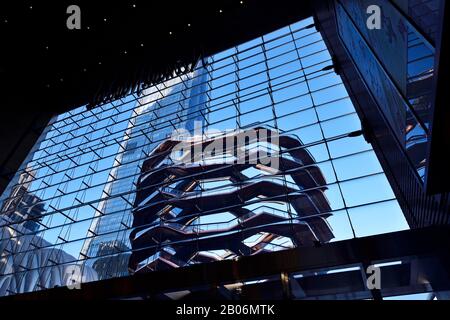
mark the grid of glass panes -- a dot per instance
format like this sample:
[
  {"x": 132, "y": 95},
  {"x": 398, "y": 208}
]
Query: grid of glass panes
[{"x": 85, "y": 167}]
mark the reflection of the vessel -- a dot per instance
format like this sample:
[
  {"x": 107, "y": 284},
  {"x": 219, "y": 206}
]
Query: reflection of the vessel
[
  {"x": 174, "y": 206},
  {"x": 420, "y": 78}
]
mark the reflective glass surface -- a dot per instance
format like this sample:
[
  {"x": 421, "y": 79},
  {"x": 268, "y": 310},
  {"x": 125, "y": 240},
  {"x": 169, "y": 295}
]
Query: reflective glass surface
[
  {"x": 397, "y": 63},
  {"x": 99, "y": 195}
]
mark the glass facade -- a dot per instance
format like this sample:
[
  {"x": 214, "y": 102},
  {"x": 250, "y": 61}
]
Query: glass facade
[
  {"x": 103, "y": 195},
  {"x": 397, "y": 62},
  {"x": 166, "y": 103}
]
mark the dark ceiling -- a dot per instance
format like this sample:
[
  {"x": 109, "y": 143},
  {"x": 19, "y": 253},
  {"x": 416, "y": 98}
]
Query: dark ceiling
[
  {"x": 46, "y": 69},
  {"x": 120, "y": 43}
]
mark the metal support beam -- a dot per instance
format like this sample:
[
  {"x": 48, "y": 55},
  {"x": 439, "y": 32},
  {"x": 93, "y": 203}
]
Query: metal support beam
[{"x": 428, "y": 245}]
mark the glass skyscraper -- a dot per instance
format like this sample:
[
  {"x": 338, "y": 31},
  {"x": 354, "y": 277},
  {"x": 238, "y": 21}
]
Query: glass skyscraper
[{"x": 162, "y": 104}]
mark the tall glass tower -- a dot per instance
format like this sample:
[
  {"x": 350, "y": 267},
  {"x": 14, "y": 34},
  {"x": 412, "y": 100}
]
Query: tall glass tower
[{"x": 155, "y": 117}]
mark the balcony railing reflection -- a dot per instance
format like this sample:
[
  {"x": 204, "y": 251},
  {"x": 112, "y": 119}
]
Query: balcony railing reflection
[{"x": 157, "y": 223}]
